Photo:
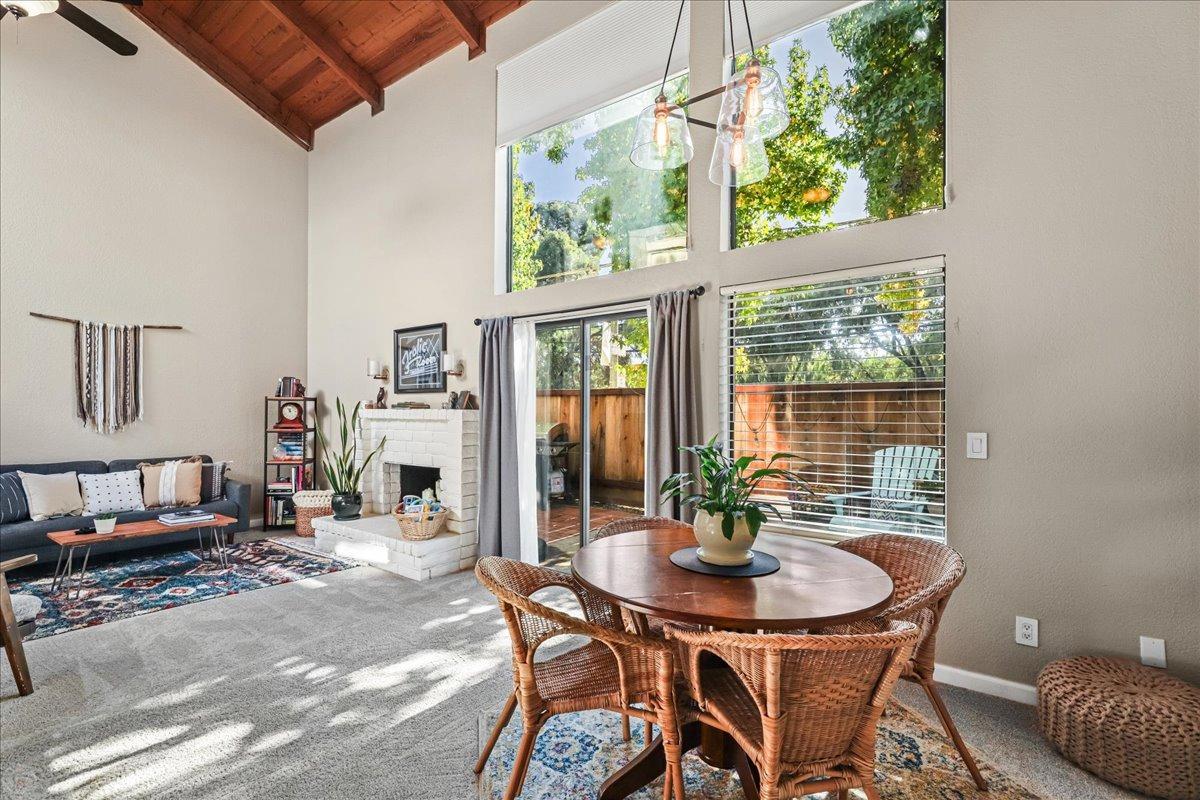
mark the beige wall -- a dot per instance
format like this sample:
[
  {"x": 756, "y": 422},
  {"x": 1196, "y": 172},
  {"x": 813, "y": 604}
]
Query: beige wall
[
  {"x": 140, "y": 190},
  {"x": 1074, "y": 295}
]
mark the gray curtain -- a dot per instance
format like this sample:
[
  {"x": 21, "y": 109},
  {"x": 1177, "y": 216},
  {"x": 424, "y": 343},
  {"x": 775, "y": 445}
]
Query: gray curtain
[
  {"x": 671, "y": 413},
  {"x": 499, "y": 511}
]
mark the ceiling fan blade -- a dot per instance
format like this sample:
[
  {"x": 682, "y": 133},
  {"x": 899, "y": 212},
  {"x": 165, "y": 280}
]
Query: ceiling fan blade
[
  {"x": 96, "y": 29},
  {"x": 3, "y": 11},
  {"x": 126, "y": 2}
]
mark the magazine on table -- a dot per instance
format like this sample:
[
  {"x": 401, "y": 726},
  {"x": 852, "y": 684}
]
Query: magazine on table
[{"x": 189, "y": 517}]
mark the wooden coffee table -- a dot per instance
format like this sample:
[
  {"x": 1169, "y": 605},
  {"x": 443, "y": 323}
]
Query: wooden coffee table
[{"x": 70, "y": 541}]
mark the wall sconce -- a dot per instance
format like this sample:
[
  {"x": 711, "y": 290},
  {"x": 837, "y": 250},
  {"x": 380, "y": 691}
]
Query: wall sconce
[
  {"x": 375, "y": 371},
  {"x": 451, "y": 365}
]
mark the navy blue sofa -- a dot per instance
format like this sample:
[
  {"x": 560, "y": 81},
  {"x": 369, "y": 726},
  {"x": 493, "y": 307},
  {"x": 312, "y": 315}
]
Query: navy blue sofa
[{"x": 29, "y": 536}]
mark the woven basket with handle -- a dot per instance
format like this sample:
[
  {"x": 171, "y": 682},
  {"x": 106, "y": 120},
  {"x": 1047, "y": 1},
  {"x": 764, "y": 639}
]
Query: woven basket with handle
[{"x": 421, "y": 524}]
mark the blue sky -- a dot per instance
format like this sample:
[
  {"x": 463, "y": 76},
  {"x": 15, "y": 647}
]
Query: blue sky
[{"x": 557, "y": 182}]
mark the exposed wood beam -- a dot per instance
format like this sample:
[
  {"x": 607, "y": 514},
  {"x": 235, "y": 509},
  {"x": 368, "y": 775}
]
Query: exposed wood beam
[
  {"x": 323, "y": 45},
  {"x": 205, "y": 55},
  {"x": 472, "y": 31}
]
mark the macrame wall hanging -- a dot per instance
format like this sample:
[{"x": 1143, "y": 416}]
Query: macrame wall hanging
[{"x": 108, "y": 372}]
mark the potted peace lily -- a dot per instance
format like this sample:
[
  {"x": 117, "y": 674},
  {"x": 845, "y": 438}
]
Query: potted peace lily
[
  {"x": 340, "y": 470},
  {"x": 727, "y": 517}
]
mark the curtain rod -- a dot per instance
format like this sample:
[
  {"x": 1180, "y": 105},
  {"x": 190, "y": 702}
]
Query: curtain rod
[
  {"x": 696, "y": 292},
  {"x": 73, "y": 321}
]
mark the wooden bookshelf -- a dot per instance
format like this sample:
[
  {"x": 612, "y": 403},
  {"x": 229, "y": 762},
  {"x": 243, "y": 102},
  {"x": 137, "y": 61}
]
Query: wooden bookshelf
[{"x": 279, "y": 512}]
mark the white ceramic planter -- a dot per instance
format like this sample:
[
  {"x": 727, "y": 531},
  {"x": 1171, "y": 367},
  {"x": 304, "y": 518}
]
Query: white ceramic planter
[
  {"x": 105, "y": 525},
  {"x": 715, "y": 548}
]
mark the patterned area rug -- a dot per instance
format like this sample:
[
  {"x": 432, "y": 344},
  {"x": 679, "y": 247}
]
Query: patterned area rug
[
  {"x": 575, "y": 753},
  {"x": 145, "y": 584}
]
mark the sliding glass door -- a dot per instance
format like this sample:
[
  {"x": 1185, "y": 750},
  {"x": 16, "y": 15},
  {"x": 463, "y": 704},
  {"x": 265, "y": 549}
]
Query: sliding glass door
[{"x": 591, "y": 425}]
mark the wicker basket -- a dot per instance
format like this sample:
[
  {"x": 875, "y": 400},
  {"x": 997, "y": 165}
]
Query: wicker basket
[
  {"x": 417, "y": 526},
  {"x": 309, "y": 505}
]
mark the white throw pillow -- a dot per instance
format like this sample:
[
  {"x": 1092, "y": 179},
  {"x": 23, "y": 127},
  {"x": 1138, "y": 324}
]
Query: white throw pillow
[
  {"x": 52, "y": 495},
  {"x": 112, "y": 491}
]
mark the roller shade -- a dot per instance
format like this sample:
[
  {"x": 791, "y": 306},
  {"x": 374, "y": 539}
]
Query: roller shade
[
  {"x": 615, "y": 51},
  {"x": 770, "y": 19},
  {"x": 849, "y": 375}
]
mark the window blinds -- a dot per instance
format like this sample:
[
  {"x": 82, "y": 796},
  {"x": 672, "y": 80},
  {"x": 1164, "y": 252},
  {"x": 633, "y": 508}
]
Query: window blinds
[
  {"x": 617, "y": 50},
  {"x": 849, "y": 375},
  {"x": 770, "y": 19}
]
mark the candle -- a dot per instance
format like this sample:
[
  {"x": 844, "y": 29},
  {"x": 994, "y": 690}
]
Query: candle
[{"x": 372, "y": 367}]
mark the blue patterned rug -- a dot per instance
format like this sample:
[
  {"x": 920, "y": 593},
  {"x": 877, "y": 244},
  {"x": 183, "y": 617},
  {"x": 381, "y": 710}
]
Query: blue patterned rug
[
  {"x": 141, "y": 585},
  {"x": 575, "y": 753}
]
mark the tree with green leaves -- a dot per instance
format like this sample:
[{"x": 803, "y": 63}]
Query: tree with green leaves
[
  {"x": 805, "y": 179},
  {"x": 892, "y": 106}
]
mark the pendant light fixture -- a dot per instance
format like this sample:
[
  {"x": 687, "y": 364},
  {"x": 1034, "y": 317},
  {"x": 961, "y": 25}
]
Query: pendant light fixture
[
  {"x": 753, "y": 110},
  {"x": 661, "y": 139}
]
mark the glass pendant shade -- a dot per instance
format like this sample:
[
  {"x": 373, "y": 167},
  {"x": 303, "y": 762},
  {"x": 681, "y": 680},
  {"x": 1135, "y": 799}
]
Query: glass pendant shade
[
  {"x": 661, "y": 139},
  {"x": 740, "y": 159},
  {"x": 32, "y": 8},
  {"x": 758, "y": 93}
]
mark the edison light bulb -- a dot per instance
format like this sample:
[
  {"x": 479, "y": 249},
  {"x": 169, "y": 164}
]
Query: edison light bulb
[
  {"x": 737, "y": 150},
  {"x": 753, "y": 104},
  {"x": 662, "y": 134}
]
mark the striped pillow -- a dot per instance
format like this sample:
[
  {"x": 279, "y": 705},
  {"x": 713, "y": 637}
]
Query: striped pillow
[
  {"x": 13, "y": 505},
  {"x": 212, "y": 480}
]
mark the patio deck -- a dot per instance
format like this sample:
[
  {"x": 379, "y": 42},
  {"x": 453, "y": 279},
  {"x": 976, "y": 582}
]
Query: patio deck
[{"x": 560, "y": 528}]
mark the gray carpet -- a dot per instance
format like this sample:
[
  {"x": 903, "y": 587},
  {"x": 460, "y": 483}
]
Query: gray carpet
[{"x": 352, "y": 685}]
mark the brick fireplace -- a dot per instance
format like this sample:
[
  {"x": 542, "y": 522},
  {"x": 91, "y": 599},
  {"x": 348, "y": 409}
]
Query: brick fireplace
[{"x": 419, "y": 441}]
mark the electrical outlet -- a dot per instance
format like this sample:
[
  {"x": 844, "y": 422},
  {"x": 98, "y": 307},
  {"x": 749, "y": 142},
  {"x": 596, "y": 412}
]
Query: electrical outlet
[
  {"x": 1154, "y": 652},
  {"x": 1027, "y": 631}
]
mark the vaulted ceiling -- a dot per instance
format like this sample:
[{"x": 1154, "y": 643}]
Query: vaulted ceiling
[{"x": 301, "y": 63}]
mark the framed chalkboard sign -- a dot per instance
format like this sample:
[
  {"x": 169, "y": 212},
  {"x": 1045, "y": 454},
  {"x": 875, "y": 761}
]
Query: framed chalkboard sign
[{"x": 418, "y": 359}]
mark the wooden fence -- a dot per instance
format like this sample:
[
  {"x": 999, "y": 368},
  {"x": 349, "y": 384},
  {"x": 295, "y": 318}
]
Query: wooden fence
[{"x": 837, "y": 426}]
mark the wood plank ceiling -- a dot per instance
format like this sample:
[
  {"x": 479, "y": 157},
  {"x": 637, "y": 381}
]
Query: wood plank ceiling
[{"x": 301, "y": 63}]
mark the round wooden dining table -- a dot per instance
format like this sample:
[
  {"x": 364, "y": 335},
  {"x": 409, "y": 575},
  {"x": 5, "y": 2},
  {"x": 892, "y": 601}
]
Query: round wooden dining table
[{"x": 816, "y": 585}]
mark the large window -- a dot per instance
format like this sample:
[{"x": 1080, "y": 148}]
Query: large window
[
  {"x": 578, "y": 207},
  {"x": 866, "y": 96},
  {"x": 849, "y": 375}
]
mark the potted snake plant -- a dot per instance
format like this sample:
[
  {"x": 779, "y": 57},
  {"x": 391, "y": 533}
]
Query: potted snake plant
[
  {"x": 340, "y": 470},
  {"x": 728, "y": 517}
]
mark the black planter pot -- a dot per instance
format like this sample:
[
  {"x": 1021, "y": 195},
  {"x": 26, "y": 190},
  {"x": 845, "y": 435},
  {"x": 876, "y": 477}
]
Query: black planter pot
[{"x": 346, "y": 505}]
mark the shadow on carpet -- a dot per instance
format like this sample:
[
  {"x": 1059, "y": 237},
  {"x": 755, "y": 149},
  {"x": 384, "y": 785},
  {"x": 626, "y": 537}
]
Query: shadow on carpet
[
  {"x": 575, "y": 753},
  {"x": 142, "y": 585}
]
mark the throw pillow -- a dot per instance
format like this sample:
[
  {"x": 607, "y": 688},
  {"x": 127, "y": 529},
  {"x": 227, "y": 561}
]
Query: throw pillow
[
  {"x": 52, "y": 495},
  {"x": 112, "y": 491},
  {"x": 212, "y": 480},
  {"x": 172, "y": 483},
  {"x": 13, "y": 506}
]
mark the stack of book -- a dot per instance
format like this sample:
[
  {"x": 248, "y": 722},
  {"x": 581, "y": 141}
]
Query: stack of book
[
  {"x": 190, "y": 517},
  {"x": 290, "y": 447}
]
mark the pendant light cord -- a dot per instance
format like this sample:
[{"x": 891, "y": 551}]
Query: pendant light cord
[
  {"x": 732, "y": 47},
  {"x": 749, "y": 35},
  {"x": 671, "y": 52}
]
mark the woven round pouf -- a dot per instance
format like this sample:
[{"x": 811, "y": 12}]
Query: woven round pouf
[{"x": 1132, "y": 725}]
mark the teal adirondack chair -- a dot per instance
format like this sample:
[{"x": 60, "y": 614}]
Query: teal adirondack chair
[{"x": 892, "y": 504}]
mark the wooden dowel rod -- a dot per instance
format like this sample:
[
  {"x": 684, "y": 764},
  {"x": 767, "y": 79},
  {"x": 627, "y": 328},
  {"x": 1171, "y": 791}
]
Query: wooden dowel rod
[{"x": 73, "y": 321}]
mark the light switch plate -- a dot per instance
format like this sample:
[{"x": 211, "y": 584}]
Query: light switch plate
[
  {"x": 1154, "y": 652},
  {"x": 976, "y": 445}
]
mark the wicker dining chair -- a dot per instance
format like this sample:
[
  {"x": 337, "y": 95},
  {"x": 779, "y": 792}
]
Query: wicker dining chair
[
  {"x": 803, "y": 708},
  {"x": 925, "y": 574},
  {"x": 637, "y": 623},
  {"x": 627, "y": 524},
  {"x": 613, "y": 671}
]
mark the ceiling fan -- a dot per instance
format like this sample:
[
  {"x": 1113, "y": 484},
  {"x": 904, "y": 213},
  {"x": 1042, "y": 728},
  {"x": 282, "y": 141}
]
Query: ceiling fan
[{"x": 72, "y": 14}]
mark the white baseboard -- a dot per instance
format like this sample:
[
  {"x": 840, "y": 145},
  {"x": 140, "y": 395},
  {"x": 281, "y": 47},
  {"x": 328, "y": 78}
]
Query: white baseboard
[{"x": 986, "y": 684}]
